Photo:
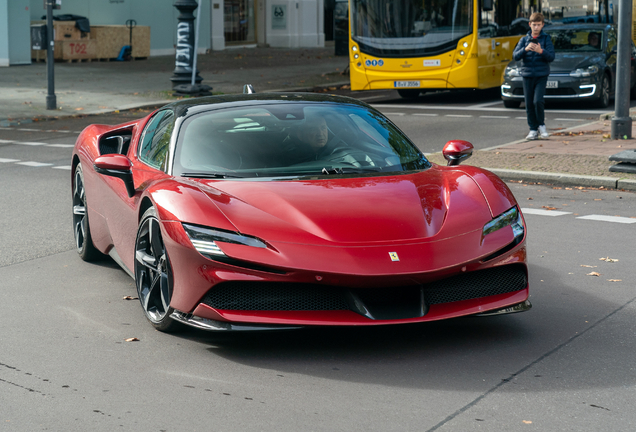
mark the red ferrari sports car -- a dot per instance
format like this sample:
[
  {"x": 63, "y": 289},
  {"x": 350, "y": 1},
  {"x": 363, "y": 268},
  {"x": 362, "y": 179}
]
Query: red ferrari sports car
[{"x": 269, "y": 211}]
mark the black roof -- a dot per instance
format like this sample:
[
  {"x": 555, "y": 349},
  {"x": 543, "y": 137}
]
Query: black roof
[{"x": 199, "y": 104}]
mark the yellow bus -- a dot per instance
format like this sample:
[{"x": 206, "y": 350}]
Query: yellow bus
[{"x": 418, "y": 45}]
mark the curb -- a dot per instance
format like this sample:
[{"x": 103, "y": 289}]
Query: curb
[{"x": 565, "y": 179}]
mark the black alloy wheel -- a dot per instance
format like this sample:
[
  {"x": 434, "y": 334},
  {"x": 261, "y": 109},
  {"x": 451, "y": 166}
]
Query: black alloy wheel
[
  {"x": 153, "y": 275},
  {"x": 604, "y": 97},
  {"x": 81, "y": 228}
]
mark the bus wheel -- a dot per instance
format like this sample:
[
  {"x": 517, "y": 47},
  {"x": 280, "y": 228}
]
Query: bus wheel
[
  {"x": 409, "y": 93},
  {"x": 512, "y": 103}
]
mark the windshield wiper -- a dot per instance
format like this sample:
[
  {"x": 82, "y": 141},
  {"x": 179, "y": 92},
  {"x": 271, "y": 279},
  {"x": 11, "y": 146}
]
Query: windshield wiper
[
  {"x": 210, "y": 175},
  {"x": 347, "y": 170}
]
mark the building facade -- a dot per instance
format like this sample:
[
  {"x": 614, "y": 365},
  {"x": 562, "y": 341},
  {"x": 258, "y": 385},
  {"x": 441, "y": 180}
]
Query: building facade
[{"x": 224, "y": 23}]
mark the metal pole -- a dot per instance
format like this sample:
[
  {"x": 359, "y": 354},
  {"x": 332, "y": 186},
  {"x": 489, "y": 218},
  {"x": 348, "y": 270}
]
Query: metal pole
[
  {"x": 196, "y": 47},
  {"x": 622, "y": 122},
  {"x": 51, "y": 100}
]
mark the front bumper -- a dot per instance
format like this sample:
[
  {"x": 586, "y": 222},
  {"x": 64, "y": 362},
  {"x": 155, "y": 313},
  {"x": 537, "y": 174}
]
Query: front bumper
[{"x": 568, "y": 88}]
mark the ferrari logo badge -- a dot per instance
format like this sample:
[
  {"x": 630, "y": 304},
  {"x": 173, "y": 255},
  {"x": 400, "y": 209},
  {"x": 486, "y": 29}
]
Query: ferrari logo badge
[{"x": 394, "y": 256}]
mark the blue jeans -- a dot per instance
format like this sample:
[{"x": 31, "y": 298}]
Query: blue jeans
[{"x": 533, "y": 92}]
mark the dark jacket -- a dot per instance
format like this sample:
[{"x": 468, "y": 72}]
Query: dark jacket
[{"x": 533, "y": 64}]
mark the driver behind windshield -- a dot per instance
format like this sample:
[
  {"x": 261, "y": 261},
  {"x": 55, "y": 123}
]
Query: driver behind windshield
[
  {"x": 310, "y": 141},
  {"x": 593, "y": 40}
]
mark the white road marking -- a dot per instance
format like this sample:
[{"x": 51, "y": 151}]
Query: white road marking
[
  {"x": 457, "y": 115},
  {"x": 425, "y": 115},
  {"x": 65, "y": 167},
  {"x": 8, "y": 160},
  {"x": 486, "y": 104},
  {"x": 616, "y": 219},
  {"x": 396, "y": 114},
  {"x": 34, "y": 164},
  {"x": 495, "y": 117},
  {"x": 37, "y": 144},
  {"x": 371, "y": 97},
  {"x": 540, "y": 212},
  {"x": 567, "y": 119}
]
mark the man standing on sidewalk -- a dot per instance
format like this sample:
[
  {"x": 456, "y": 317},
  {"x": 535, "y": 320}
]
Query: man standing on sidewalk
[{"x": 535, "y": 51}]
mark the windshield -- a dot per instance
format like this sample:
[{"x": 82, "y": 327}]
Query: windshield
[
  {"x": 293, "y": 139},
  {"x": 568, "y": 40},
  {"x": 409, "y": 28}
]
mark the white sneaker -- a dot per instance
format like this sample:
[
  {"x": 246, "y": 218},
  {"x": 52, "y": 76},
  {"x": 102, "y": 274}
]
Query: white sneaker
[
  {"x": 543, "y": 131},
  {"x": 533, "y": 135}
]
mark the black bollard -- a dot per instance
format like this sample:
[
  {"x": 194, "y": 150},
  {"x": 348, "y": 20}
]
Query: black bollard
[{"x": 182, "y": 74}]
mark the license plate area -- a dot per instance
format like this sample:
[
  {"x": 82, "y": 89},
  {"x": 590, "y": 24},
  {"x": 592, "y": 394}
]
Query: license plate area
[
  {"x": 552, "y": 84},
  {"x": 402, "y": 84}
]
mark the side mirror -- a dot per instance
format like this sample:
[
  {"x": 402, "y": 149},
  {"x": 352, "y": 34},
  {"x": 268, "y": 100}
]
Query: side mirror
[
  {"x": 116, "y": 165},
  {"x": 457, "y": 151},
  {"x": 487, "y": 5}
]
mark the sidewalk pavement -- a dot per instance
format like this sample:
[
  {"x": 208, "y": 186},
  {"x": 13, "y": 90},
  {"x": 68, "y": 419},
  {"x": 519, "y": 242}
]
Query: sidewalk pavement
[{"x": 576, "y": 156}]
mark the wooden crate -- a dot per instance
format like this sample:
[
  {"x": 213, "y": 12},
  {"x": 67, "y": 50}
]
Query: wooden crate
[
  {"x": 75, "y": 50},
  {"x": 66, "y": 30},
  {"x": 69, "y": 50},
  {"x": 111, "y": 39}
]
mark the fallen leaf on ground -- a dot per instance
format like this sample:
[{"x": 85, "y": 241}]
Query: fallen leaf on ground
[
  {"x": 130, "y": 298},
  {"x": 608, "y": 259},
  {"x": 585, "y": 265},
  {"x": 594, "y": 274},
  {"x": 527, "y": 421},
  {"x": 615, "y": 280},
  {"x": 133, "y": 339},
  {"x": 549, "y": 208}
]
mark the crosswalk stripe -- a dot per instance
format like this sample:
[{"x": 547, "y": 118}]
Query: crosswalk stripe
[
  {"x": 541, "y": 212},
  {"x": 34, "y": 164},
  {"x": 602, "y": 218}
]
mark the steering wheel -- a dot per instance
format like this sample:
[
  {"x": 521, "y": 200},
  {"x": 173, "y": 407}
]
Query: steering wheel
[{"x": 354, "y": 157}]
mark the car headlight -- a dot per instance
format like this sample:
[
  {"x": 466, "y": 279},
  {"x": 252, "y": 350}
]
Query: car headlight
[
  {"x": 584, "y": 72},
  {"x": 510, "y": 217},
  {"x": 511, "y": 72},
  {"x": 204, "y": 240}
]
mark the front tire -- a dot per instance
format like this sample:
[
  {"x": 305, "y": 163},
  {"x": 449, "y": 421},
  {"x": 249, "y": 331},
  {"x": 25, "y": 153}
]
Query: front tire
[
  {"x": 81, "y": 228},
  {"x": 604, "y": 98},
  {"x": 153, "y": 275}
]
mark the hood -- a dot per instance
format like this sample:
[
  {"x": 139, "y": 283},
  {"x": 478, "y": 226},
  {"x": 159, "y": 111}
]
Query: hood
[
  {"x": 353, "y": 210},
  {"x": 568, "y": 61}
]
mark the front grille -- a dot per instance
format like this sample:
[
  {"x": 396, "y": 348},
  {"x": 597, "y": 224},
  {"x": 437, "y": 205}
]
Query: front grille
[
  {"x": 498, "y": 280},
  {"x": 565, "y": 91},
  {"x": 272, "y": 296},
  {"x": 396, "y": 302}
]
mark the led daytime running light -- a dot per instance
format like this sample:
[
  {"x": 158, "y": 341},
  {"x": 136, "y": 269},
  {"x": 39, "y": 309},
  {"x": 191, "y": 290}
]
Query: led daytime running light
[
  {"x": 510, "y": 217},
  {"x": 204, "y": 239}
]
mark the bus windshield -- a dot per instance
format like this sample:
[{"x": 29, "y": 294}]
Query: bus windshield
[{"x": 409, "y": 28}]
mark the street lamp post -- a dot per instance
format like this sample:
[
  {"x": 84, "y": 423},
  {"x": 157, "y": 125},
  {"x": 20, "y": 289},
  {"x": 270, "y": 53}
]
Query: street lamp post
[
  {"x": 182, "y": 75},
  {"x": 622, "y": 122},
  {"x": 51, "y": 99}
]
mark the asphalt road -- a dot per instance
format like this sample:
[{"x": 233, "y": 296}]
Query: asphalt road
[{"x": 64, "y": 364}]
